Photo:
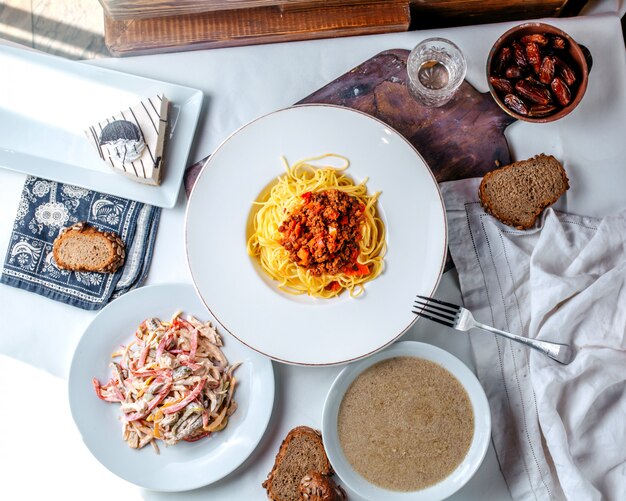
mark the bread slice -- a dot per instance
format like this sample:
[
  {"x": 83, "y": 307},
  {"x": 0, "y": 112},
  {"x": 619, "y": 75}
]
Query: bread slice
[
  {"x": 84, "y": 248},
  {"x": 517, "y": 193},
  {"x": 301, "y": 452}
]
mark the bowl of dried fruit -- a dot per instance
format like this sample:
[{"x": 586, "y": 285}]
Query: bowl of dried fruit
[{"x": 537, "y": 72}]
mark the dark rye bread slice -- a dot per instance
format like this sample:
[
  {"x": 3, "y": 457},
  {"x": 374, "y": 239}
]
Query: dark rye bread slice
[
  {"x": 517, "y": 193},
  {"x": 81, "y": 247},
  {"x": 301, "y": 452}
]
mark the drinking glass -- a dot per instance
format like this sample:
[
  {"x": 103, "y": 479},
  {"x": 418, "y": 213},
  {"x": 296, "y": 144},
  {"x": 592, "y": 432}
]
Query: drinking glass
[{"x": 436, "y": 67}]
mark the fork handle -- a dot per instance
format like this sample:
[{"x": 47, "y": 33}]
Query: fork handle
[{"x": 562, "y": 353}]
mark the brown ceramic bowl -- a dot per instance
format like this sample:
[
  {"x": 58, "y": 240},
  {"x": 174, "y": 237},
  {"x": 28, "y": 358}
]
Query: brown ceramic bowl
[{"x": 572, "y": 54}]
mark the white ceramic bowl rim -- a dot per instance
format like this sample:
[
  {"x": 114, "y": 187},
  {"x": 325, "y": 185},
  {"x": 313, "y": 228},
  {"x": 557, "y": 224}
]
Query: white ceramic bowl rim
[
  {"x": 242, "y": 297},
  {"x": 537, "y": 26},
  {"x": 453, "y": 482}
]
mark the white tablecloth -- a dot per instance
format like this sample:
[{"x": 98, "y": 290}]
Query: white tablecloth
[
  {"x": 240, "y": 84},
  {"x": 560, "y": 282}
]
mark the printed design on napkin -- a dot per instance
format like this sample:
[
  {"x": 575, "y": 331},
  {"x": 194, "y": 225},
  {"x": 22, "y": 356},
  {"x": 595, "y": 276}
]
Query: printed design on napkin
[{"x": 45, "y": 207}]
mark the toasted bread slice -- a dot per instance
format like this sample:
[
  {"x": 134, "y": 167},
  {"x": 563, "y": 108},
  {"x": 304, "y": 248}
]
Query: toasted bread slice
[
  {"x": 517, "y": 193},
  {"x": 84, "y": 248},
  {"x": 301, "y": 452}
]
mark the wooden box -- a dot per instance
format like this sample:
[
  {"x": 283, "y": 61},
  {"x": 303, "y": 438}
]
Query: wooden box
[
  {"x": 441, "y": 13},
  {"x": 263, "y": 23}
]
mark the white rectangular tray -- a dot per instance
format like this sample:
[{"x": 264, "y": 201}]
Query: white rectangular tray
[{"x": 46, "y": 103}]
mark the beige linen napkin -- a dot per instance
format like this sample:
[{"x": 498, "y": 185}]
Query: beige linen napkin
[{"x": 559, "y": 431}]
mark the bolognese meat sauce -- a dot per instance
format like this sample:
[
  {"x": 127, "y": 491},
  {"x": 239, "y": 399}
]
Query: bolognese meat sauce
[{"x": 323, "y": 234}]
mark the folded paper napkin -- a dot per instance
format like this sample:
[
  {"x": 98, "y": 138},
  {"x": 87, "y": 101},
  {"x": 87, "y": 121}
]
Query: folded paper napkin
[
  {"x": 559, "y": 431},
  {"x": 44, "y": 209}
]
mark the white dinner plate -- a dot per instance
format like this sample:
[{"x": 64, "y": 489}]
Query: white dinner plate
[
  {"x": 185, "y": 465},
  {"x": 301, "y": 329},
  {"x": 47, "y": 102}
]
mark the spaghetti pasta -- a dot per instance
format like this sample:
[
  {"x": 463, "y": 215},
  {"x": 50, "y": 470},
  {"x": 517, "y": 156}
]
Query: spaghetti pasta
[{"x": 344, "y": 250}]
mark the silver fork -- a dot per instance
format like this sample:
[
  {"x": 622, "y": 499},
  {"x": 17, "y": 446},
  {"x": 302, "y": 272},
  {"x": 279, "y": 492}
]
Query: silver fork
[{"x": 461, "y": 319}]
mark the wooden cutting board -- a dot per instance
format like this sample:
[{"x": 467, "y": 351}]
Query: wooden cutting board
[{"x": 464, "y": 138}]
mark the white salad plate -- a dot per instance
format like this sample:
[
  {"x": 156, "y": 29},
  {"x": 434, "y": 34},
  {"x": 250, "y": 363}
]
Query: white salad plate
[
  {"x": 301, "y": 329},
  {"x": 464, "y": 471},
  {"x": 46, "y": 104},
  {"x": 186, "y": 465}
]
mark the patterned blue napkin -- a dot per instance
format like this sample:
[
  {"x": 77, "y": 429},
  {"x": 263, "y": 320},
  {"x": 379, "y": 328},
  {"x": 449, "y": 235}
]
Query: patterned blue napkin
[{"x": 44, "y": 209}]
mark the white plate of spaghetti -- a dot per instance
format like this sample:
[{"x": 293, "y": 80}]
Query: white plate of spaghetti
[
  {"x": 309, "y": 232},
  {"x": 161, "y": 397}
]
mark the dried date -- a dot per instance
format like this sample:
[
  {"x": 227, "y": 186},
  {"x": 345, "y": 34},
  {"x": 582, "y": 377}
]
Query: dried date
[
  {"x": 541, "y": 110},
  {"x": 533, "y": 80},
  {"x": 565, "y": 71},
  {"x": 558, "y": 42},
  {"x": 501, "y": 85},
  {"x": 514, "y": 72},
  {"x": 561, "y": 91},
  {"x": 546, "y": 72},
  {"x": 568, "y": 76},
  {"x": 534, "y": 56},
  {"x": 537, "y": 38},
  {"x": 516, "y": 104},
  {"x": 504, "y": 56},
  {"x": 519, "y": 55},
  {"x": 533, "y": 93}
]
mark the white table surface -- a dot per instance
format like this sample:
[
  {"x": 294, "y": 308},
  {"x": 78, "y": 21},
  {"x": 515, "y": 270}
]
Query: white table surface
[{"x": 42, "y": 455}]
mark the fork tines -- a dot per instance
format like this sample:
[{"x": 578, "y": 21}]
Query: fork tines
[{"x": 436, "y": 310}]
